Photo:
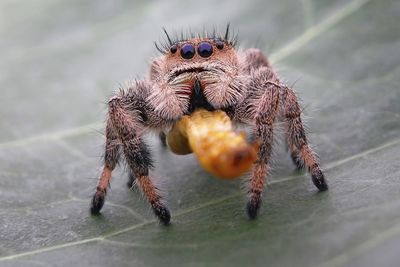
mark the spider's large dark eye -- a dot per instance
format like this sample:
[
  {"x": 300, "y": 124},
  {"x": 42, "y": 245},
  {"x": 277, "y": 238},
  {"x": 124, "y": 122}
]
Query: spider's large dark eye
[
  {"x": 187, "y": 51},
  {"x": 205, "y": 49}
]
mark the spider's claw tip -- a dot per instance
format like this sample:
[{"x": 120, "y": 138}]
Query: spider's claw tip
[
  {"x": 321, "y": 184},
  {"x": 252, "y": 208},
  {"x": 162, "y": 213},
  {"x": 97, "y": 203},
  {"x": 319, "y": 180}
]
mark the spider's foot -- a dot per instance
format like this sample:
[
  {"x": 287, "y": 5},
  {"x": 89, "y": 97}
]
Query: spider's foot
[
  {"x": 253, "y": 207},
  {"x": 97, "y": 202},
  {"x": 319, "y": 180},
  {"x": 162, "y": 213}
]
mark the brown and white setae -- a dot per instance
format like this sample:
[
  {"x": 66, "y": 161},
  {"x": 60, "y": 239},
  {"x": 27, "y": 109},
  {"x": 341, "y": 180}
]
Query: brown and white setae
[{"x": 203, "y": 72}]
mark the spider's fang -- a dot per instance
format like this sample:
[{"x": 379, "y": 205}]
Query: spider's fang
[{"x": 198, "y": 99}]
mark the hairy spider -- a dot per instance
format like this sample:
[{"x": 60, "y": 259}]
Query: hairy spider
[{"x": 203, "y": 72}]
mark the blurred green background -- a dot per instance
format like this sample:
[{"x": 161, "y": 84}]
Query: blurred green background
[{"x": 61, "y": 60}]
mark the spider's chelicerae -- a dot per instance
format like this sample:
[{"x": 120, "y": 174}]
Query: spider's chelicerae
[{"x": 203, "y": 72}]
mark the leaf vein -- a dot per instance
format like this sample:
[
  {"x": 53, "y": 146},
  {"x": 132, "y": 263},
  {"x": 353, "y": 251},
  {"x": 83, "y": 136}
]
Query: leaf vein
[{"x": 213, "y": 202}]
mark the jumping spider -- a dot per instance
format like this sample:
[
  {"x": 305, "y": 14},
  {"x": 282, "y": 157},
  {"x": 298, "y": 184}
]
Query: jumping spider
[{"x": 203, "y": 72}]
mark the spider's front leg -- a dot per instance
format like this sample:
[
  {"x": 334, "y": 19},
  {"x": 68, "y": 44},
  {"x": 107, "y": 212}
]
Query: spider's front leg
[
  {"x": 301, "y": 152},
  {"x": 124, "y": 127},
  {"x": 265, "y": 115}
]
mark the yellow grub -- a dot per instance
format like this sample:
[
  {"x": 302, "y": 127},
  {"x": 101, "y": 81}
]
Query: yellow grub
[{"x": 209, "y": 134}]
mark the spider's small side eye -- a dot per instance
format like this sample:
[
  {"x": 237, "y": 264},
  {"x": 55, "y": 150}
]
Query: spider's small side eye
[
  {"x": 219, "y": 45},
  {"x": 205, "y": 49},
  {"x": 173, "y": 49},
  {"x": 187, "y": 51}
]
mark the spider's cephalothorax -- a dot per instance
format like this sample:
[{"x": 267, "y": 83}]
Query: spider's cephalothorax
[
  {"x": 203, "y": 72},
  {"x": 199, "y": 72}
]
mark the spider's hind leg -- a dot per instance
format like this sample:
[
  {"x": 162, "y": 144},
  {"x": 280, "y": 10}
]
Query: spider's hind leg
[{"x": 301, "y": 152}]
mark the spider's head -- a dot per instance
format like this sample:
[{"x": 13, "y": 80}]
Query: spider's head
[{"x": 196, "y": 72}]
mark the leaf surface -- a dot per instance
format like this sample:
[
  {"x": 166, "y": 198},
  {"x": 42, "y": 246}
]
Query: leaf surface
[{"x": 61, "y": 61}]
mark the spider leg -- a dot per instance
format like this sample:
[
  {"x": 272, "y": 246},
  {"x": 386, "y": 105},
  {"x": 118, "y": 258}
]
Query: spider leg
[
  {"x": 301, "y": 152},
  {"x": 264, "y": 118},
  {"x": 126, "y": 122},
  {"x": 255, "y": 59},
  {"x": 111, "y": 157}
]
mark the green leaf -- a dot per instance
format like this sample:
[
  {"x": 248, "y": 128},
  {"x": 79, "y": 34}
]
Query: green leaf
[{"x": 61, "y": 60}]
